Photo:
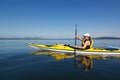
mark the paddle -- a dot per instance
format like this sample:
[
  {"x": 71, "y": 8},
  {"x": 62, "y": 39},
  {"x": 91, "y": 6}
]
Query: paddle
[
  {"x": 75, "y": 39},
  {"x": 75, "y": 49},
  {"x": 112, "y": 48}
]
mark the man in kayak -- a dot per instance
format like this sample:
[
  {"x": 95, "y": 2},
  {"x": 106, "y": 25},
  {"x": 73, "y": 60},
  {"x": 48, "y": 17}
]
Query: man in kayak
[{"x": 86, "y": 41}]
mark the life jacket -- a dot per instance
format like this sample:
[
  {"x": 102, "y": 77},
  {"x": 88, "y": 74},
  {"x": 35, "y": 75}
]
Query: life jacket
[{"x": 91, "y": 44}]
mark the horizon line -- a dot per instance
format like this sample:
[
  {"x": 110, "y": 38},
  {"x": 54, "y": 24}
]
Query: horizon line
[{"x": 30, "y": 38}]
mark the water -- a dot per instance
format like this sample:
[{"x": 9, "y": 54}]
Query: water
[{"x": 18, "y": 63}]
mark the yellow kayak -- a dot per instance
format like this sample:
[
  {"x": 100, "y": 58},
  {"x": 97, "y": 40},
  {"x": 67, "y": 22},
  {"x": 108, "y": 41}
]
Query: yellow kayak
[{"x": 68, "y": 49}]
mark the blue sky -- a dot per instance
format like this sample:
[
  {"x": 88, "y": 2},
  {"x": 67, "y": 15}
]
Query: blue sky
[{"x": 57, "y": 18}]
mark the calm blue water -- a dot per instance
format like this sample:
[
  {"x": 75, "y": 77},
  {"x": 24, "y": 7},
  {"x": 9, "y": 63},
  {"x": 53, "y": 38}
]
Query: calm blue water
[{"x": 17, "y": 63}]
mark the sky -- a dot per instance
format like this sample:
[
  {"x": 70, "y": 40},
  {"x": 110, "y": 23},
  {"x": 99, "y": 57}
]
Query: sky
[{"x": 57, "y": 18}]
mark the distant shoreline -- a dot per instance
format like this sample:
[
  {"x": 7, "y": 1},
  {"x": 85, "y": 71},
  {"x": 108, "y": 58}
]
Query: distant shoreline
[
  {"x": 54, "y": 38},
  {"x": 107, "y": 38}
]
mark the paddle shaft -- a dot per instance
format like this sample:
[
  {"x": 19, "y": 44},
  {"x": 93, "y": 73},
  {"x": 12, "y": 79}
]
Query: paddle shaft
[
  {"x": 75, "y": 69},
  {"x": 75, "y": 39},
  {"x": 75, "y": 35}
]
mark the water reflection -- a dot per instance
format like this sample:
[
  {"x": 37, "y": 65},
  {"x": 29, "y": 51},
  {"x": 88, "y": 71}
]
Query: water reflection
[
  {"x": 55, "y": 55},
  {"x": 85, "y": 62},
  {"x": 80, "y": 61}
]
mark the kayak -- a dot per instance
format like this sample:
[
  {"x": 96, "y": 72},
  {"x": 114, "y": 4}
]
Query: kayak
[{"x": 69, "y": 49}]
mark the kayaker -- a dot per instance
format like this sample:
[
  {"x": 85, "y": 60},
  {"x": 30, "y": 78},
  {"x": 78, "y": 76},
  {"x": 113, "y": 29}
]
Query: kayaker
[{"x": 86, "y": 41}]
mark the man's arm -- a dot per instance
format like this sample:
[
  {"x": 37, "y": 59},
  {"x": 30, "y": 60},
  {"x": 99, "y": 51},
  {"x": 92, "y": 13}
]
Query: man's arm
[{"x": 79, "y": 38}]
